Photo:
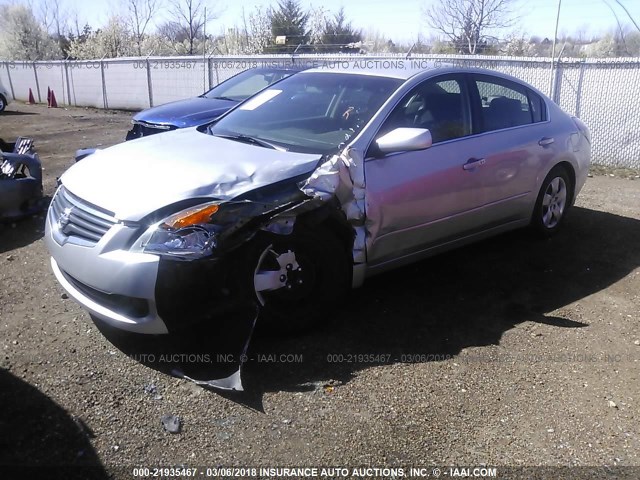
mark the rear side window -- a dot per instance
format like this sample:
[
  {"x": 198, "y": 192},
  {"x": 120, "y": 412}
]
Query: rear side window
[
  {"x": 505, "y": 104},
  {"x": 536, "y": 104}
]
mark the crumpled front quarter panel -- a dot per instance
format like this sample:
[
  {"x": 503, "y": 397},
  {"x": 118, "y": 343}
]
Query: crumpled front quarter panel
[{"x": 342, "y": 176}]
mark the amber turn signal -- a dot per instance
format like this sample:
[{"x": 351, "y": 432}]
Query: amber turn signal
[{"x": 193, "y": 216}]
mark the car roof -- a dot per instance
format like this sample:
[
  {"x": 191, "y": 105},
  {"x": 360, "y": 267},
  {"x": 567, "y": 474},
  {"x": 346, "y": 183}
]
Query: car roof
[
  {"x": 410, "y": 70},
  {"x": 278, "y": 68},
  {"x": 401, "y": 68}
]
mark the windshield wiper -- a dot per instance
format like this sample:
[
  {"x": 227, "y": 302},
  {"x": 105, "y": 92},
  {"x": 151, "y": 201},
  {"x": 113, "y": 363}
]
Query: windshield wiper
[
  {"x": 251, "y": 140},
  {"x": 224, "y": 98}
]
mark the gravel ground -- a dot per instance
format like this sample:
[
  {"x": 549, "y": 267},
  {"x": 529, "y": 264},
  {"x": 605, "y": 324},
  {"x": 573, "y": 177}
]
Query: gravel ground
[{"x": 510, "y": 352}]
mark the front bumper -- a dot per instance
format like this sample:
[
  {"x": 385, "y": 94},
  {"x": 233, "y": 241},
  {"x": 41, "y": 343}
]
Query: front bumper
[
  {"x": 115, "y": 285},
  {"x": 93, "y": 259},
  {"x": 151, "y": 323}
]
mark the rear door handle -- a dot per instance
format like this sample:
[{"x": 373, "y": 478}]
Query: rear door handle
[
  {"x": 474, "y": 163},
  {"x": 544, "y": 141}
]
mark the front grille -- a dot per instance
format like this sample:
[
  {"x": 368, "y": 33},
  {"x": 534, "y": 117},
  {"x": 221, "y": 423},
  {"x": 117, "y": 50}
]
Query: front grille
[
  {"x": 128, "y": 306},
  {"x": 75, "y": 218}
]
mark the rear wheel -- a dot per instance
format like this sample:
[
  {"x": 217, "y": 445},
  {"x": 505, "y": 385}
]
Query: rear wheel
[
  {"x": 3, "y": 103},
  {"x": 299, "y": 278},
  {"x": 553, "y": 202}
]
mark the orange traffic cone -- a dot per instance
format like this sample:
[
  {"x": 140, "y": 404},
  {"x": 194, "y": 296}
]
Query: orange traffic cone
[
  {"x": 31, "y": 100},
  {"x": 52, "y": 100}
]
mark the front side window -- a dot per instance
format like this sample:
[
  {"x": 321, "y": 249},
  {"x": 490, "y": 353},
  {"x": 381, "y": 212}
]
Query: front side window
[
  {"x": 505, "y": 104},
  {"x": 438, "y": 105},
  {"x": 311, "y": 112}
]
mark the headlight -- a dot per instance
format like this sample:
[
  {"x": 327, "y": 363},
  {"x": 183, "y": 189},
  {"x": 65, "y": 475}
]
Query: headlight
[{"x": 188, "y": 234}]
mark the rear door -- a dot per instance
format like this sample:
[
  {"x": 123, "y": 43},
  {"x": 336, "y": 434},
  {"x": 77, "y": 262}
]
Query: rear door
[{"x": 515, "y": 139}]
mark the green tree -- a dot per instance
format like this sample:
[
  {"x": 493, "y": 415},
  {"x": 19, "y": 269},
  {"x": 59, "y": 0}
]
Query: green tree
[
  {"x": 339, "y": 35},
  {"x": 289, "y": 21}
]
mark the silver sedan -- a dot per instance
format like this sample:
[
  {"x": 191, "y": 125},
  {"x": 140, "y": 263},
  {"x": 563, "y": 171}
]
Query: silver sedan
[{"x": 306, "y": 189}]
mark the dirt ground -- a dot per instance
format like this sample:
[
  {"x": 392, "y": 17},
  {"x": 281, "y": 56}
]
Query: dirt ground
[{"x": 512, "y": 352}]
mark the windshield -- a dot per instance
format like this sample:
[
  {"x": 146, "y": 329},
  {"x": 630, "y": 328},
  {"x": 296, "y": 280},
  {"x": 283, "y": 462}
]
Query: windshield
[
  {"x": 309, "y": 112},
  {"x": 242, "y": 86}
]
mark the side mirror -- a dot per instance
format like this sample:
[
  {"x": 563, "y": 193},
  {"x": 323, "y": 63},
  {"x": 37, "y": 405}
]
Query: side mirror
[{"x": 404, "y": 140}]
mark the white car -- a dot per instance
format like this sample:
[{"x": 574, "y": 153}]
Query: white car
[{"x": 5, "y": 97}]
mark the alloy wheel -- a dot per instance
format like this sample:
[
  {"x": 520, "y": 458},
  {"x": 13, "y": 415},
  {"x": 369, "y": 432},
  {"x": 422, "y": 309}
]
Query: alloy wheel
[{"x": 554, "y": 202}]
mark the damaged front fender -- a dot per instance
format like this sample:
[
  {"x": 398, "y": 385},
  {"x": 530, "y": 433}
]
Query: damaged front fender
[
  {"x": 335, "y": 190},
  {"x": 342, "y": 177},
  {"x": 337, "y": 184},
  {"x": 332, "y": 195}
]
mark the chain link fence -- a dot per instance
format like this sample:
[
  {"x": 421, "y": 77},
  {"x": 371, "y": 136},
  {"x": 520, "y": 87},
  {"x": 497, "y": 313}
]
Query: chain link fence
[{"x": 605, "y": 93}]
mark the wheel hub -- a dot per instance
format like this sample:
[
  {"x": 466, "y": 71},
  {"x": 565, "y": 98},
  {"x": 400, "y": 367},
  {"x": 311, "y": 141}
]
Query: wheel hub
[{"x": 289, "y": 274}]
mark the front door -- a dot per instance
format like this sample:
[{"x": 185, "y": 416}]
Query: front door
[{"x": 421, "y": 199}]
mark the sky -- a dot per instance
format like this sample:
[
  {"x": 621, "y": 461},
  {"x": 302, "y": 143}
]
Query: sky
[{"x": 402, "y": 20}]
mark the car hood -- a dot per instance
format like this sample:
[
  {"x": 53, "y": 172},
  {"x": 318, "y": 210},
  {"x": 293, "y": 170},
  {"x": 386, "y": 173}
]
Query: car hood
[
  {"x": 186, "y": 113},
  {"x": 136, "y": 178}
]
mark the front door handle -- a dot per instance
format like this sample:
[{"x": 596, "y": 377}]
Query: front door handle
[
  {"x": 474, "y": 163},
  {"x": 544, "y": 141}
]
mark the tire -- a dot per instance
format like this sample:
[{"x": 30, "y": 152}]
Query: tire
[
  {"x": 311, "y": 270},
  {"x": 3, "y": 103},
  {"x": 553, "y": 202}
]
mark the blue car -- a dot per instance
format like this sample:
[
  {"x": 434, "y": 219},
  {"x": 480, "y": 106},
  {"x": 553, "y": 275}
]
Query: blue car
[{"x": 205, "y": 108}]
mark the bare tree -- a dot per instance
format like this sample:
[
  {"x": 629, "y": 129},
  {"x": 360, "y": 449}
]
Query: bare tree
[
  {"x": 190, "y": 16},
  {"x": 139, "y": 16},
  {"x": 76, "y": 28},
  {"x": 235, "y": 40},
  {"x": 54, "y": 16},
  {"x": 468, "y": 24},
  {"x": 60, "y": 17},
  {"x": 45, "y": 15}
]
